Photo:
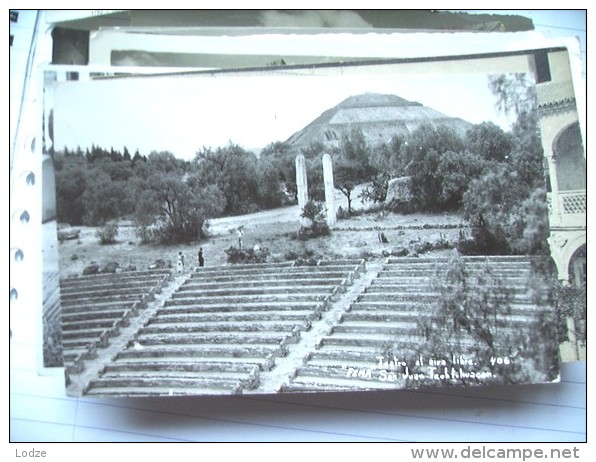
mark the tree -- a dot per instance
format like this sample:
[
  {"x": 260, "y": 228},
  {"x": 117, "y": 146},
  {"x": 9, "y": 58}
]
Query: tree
[
  {"x": 71, "y": 182},
  {"x": 283, "y": 157},
  {"x": 425, "y": 180},
  {"x": 421, "y": 156},
  {"x": 103, "y": 198},
  {"x": 172, "y": 203},
  {"x": 233, "y": 171},
  {"x": 491, "y": 204},
  {"x": 376, "y": 191},
  {"x": 352, "y": 167},
  {"x": 455, "y": 171},
  {"x": 507, "y": 205},
  {"x": 515, "y": 92},
  {"x": 470, "y": 317},
  {"x": 489, "y": 141},
  {"x": 270, "y": 193}
]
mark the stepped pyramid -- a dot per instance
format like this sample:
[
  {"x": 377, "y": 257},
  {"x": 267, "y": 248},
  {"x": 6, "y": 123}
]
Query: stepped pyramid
[{"x": 380, "y": 117}]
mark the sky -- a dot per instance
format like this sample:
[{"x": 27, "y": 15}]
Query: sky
[{"x": 184, "y": 114}]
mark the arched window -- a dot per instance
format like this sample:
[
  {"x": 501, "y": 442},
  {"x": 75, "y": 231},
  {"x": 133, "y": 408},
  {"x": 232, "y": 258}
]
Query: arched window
[{"x": 571, "y": 163}]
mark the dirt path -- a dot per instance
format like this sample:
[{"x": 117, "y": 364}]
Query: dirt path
[{"x": 284, "y": 368}]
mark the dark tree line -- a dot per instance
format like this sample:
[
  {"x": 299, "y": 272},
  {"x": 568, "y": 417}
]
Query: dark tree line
[{"x": 167, "y": 198}]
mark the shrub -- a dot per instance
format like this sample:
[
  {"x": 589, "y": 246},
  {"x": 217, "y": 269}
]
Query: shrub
[
  {"x": 376, "y": 191},
  {"x": 343, "y": 214},
  {"x": 107, "y": 234},
  {"x": 236, "y": 255},
  {"x": 314, "y": 213},
  {"x": 571, "y": 302}
]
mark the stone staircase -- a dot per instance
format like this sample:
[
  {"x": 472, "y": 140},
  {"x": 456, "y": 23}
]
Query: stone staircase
[
  {"x": 94, "y": 308},
  {"x": 223, "y": 327},
  {"x": 385, "y": 318},
  {"x": 265, "y": 328}
]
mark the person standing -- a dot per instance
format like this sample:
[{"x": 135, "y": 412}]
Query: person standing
[
  {"x": 201, "y": 258},
  {"x": 180, "y": 264},
  {"x": 240, "y": 233}
]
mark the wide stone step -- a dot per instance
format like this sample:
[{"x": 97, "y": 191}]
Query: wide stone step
[
  {"x": 248, "y": 271},
  {"x": 175, "y": 374},
  {"x": 434, "y": 274},
  {"x": 310, "y": 387},
  {"x": 420, "y": 290},
  {"x": 338, "y": 373},
  {"x": 115, "y": 285},
  {"x": 414, "y": 308},
  {"x": 224, "y": 326},
  {"x": 108, "y": 293},
  {"x": 281, "y": 305},
  {"x": 230, "y": 363},
  {"x": 251, "y": 353},
  {"x": 81, "y": 332},
  {"x": 380, "y": 342},
  {"x": 418, "y": 285},
  {"x": 343, "y": 262},
  {"x": 381, "y": 317},
  {"x": 91, "y": 316},
  {"x": 380, "y": 328},
  {"x": 239, "y": 267},
  {"x": 286, "y": 290},
  {"x": 342, "y": 357},
  {"x": 91, "y": 279},
  {"x": 242, "y": 299},
  {"x": 377, "y": 341},
  {"x": 396, "y": 326},
  {"x": 493, "y": 259},
  {"x": 433, "y": 270},
  {"x": 153, "y": 390},
  {"x": 104, "y": 299},
  {"x": 70, "y": 345},
  {"x": 97, "y": 320},
  {"x": 328, "y": 273},
  {"x": 425, "y": 298},
  {"x": 209, "y": 338},
  {"x": 249, "y": 316},
  {"x": 152, "y": 385},
  {"x": 99, "y": 306},
  {"x": 189, "y": 366},
  {"x": 331, "y": 384},
  {"x": 301, "y": 283}
]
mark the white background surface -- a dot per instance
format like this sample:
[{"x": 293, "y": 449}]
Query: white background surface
[{"x": 40, "y": 411}]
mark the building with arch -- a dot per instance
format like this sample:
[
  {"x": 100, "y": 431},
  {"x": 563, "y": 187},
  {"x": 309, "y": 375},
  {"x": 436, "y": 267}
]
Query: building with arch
[{"x": 565, "y": 155}]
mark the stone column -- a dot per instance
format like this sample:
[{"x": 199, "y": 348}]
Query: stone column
[
  {"x": 302, "y": 188},
  {"x": 554, "y": 187},
  {"x": 329, "y": 189},
  {"x": 301, "y": 182}
]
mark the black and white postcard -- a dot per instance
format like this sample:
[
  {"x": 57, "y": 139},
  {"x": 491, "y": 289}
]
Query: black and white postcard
[{"x": 392, "y": 224}]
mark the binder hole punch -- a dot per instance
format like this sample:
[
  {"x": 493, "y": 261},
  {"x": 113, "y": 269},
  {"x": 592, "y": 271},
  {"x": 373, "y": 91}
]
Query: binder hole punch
[
  {"x": 22, "y": 216},
  {"x": 17, "y": 254},
  {"x": 14, "y": 294},
  {"x": 28, "y": 177}
]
